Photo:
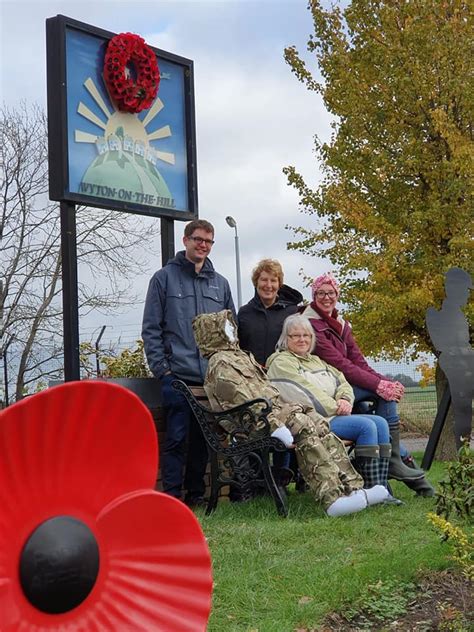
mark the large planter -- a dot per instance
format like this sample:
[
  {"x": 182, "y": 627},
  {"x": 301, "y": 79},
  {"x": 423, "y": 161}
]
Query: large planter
[{"x": 148, "y": 389}]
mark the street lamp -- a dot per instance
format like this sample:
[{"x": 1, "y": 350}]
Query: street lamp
[{"x": 233, "y": 224}]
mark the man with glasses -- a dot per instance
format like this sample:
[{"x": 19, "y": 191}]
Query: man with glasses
[{"x": 186, "y": 286}]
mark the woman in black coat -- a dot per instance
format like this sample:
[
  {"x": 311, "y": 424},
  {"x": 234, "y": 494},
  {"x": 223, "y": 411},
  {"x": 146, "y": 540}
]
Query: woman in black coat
[
  {"x": 261, "y": 319},
  {"x": 260, "y": 324}
]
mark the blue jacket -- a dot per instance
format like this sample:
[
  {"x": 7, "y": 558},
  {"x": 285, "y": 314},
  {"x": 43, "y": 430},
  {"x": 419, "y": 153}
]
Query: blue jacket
[{"x": 176, "y": 294}]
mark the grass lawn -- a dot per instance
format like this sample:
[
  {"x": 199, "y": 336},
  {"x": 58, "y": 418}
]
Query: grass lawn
[{"x": 278, "y": 575}]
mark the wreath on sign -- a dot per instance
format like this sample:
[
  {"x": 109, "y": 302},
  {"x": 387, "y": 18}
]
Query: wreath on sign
[{"x": 132, "y": 92}]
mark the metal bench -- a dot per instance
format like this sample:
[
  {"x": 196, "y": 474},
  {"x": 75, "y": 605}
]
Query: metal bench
[{"x": 239, "y": 443}]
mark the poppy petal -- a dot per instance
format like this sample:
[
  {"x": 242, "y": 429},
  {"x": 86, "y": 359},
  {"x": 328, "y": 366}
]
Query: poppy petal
[
  {"x": 155, "y": 565},
  {"x": 63, "y": 452},
  {"x": 9, "y": 611},
  {"x": 69, "y": 451}
]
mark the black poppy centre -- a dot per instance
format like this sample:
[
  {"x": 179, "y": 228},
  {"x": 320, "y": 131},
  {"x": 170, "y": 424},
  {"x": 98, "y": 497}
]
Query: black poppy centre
[{"x": 59, "y": 565}]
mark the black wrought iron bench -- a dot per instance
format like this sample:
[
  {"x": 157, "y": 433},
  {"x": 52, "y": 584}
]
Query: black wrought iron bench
[{"x": 239, "y": 444}]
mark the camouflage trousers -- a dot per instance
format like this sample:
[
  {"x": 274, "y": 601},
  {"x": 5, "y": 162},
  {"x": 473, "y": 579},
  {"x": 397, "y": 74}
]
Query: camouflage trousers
[{"x": 322, "y": 459}]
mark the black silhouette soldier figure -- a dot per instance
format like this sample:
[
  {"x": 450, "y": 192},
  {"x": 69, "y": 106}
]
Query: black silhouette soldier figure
[{"x": 449, "y": 331}]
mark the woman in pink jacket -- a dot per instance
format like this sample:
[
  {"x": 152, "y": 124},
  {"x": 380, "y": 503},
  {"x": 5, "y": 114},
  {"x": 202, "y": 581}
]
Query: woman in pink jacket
[{"x": 336, "y": 345}]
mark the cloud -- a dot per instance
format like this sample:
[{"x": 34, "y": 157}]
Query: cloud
[{"x": 252, "y": 116}]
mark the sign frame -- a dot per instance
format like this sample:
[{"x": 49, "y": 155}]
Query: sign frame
[{"x": 60, "y": 32}]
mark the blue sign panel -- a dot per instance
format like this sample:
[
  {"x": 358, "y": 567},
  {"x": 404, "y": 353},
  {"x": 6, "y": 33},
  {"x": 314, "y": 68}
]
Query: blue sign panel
[{"x": 141, "y": 162}]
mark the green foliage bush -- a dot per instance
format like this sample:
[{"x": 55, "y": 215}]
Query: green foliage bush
[
  {"x": 456, "y": 492},
  {"x": 455, "y": 498},
  {"x": 128, "y": 363}
]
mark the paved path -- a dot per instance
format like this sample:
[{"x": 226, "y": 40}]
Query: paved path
[
  {"x": 418, "y": 444},
  {"x": 415, "y": 444}
]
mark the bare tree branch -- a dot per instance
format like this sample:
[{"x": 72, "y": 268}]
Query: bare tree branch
[{"x": 112, "y": 248}]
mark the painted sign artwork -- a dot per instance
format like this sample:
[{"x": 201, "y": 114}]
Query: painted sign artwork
[{"x": 133, "y": 159}]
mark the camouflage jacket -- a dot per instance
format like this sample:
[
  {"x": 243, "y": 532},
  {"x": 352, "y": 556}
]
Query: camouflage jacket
[{"x": 234, "y": 376}]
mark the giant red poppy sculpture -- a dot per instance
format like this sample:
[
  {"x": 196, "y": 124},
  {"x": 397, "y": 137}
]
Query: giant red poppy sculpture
[{"x": 85, "y": 541}]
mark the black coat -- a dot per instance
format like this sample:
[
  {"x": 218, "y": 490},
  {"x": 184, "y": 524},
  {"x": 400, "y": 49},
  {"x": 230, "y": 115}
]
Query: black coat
[{"x": 260, "y": 328}]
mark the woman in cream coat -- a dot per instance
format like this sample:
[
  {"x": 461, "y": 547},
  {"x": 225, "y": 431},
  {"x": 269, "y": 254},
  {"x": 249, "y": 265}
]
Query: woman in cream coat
[{"x": 304, "y": 378}]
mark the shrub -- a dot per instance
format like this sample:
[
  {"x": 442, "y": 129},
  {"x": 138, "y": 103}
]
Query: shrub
[
  {"x": 456, "y": 494},
  {"x": 128, "y": 363},
  {"x": 462, "y": 542},
  {"x": 455, "y": 497}
]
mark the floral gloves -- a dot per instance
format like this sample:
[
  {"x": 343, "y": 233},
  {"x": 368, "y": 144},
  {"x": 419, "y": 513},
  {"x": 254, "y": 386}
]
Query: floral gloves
[{"x": 390, "y": 391}]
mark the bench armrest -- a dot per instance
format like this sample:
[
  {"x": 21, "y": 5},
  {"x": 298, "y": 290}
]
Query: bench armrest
[{"x": 244, "y": 424}]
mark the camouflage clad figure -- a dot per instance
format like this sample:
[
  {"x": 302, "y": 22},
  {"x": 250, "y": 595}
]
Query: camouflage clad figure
[{"x": 234, "y": 377}]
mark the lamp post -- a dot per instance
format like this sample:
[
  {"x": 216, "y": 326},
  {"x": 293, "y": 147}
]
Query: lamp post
[{"x": 233, "y": 224}]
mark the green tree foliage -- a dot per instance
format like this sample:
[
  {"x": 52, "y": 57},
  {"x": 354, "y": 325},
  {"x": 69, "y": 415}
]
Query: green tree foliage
[{"x": 394, "y": 209}]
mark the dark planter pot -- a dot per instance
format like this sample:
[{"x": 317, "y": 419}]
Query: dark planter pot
[{"x": 148, "y": 389}]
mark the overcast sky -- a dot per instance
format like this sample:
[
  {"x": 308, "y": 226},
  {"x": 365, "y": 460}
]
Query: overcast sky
[{"x": 252, "y": 116}]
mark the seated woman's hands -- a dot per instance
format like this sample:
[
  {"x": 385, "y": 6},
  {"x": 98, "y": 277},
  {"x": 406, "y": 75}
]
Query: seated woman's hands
[
  {"x": 400, "y": 390},
  {"x": 343, "y": 407},
  {"x": 390, "y": 391}
]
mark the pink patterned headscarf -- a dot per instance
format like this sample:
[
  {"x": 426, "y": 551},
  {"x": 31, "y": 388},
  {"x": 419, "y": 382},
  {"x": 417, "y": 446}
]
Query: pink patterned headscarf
[{"x": 326, "y": 278}]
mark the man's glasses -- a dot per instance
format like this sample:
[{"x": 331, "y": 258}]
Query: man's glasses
[
  {"x": 321, "y": 294},
  {"x": 296, "y": 336},
  {"x": 200, "y": 240}
]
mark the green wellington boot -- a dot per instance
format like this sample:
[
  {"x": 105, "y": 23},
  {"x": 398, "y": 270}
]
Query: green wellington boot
[
  {"x": 422, "y": 487},
  {"x": 397, "y": 468}
]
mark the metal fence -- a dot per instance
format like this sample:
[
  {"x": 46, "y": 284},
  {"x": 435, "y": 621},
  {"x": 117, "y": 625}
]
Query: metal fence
[{"x": 418, "y": 406}]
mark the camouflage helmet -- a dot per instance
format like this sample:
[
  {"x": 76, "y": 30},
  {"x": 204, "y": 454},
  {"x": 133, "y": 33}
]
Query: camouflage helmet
[{"x": 215, "y": 332}]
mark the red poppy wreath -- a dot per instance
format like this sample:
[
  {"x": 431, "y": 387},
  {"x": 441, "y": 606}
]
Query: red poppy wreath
[
  {"x": 85, "y": 543},
  {"x": 131, "y": 94}
]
